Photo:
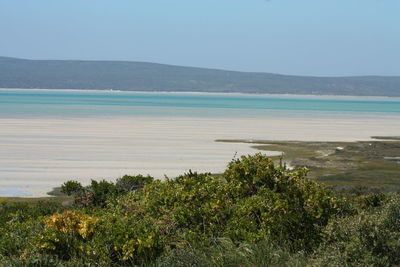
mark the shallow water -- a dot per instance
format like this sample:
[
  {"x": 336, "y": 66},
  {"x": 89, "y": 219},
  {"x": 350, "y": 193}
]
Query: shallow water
[{"x": 62, "y": 103}]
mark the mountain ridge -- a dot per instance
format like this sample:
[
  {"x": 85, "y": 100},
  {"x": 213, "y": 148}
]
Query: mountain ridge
[{"x": 145, "y": 76}]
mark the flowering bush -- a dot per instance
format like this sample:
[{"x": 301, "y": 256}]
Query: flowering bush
[
  {"x": 65, "y": 233},
  {"x": 253, "y": 201}
]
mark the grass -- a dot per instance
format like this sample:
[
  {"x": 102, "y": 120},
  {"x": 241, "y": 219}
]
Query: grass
[
  {"x": 61, "y": 200},
  {"x": 55, "y": 196},
  {"x": 386, "y": 137},
  {"x": 342, "y": 163}
]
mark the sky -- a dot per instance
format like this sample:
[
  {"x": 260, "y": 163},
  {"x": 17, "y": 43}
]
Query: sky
[{"x": 298, "y": 37}]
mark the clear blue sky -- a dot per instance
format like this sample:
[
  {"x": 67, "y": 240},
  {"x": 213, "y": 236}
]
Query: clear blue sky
[{"x": 303, "y": 37}]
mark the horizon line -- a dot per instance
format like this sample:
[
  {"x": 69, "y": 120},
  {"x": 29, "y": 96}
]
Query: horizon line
[{"x": 204, "y": 68}]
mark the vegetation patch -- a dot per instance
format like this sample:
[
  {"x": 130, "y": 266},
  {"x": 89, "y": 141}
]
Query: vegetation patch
[
  {"x": 256, "y": 213},
  {"x": 339, "y": 164}
]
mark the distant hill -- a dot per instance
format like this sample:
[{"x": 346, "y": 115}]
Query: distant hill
[{"x": 140, "y": 76}]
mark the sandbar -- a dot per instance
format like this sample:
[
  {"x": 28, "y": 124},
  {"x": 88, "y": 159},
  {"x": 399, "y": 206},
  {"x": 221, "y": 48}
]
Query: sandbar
[{"x": 37, "y": 154}]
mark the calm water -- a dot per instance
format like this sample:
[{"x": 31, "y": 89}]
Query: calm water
[{"x": 39, "y": 103}]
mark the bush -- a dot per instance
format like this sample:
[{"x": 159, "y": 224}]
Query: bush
[
  {"x": 19, "y": 221},
  {"x": 130, "y": 183},
  {"x": 71, "y": 188},
  {"x": 251, "y": 201},
  {"x": 371, "y": 200},
  {"x": 224, "y": 252},
  {"x": 65, "y": 234},
  {"x": 102, "y": 192},
  {"x": 371, "y": 238},
  {"x": 254, "y": 207}
]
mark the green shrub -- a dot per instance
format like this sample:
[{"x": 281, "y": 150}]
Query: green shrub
[
  {"x": 65, "y": 234},
  {"x": 102, "y": 192},
  {"x": 371, "y": 238},
  {"x": 21, "y": 211},
  {"x": 251, "y": 201},
  {"x": 130, "y": 183},
  {"x": 392, "y": 218},
  {"x": 255, "y": 206},
  {"x": 224, "y": 252},
  {"x": 19, "y": 221},
  {"x": 71, "y": 188},
  {"x": 371, "y": 200}
]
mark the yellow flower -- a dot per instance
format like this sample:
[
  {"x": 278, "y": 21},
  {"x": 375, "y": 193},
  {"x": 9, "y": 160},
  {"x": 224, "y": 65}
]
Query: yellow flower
[
  {"x": 23, "y": 256},
  {"x": 72, "y": 222}
]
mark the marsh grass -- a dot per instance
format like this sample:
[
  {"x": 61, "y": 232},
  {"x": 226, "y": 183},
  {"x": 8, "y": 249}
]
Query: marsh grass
[{"x": 342, "y": 163}]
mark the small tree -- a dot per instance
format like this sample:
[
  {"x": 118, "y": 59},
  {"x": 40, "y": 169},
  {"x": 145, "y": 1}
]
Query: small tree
[
  {"x": 129, "y": 183},
  {"x": 72, "y": 188}
]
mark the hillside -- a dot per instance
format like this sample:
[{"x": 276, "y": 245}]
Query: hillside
[{"x": 140, "y": 76}]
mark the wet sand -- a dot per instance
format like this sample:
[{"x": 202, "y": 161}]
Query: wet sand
[{"x": 39, "y": 154}]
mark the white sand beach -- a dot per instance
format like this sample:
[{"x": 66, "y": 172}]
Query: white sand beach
[{"x": 39, "y": 154}]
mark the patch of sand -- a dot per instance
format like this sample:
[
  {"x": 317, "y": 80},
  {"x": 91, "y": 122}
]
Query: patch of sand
[{"x": 39, "y": 154}]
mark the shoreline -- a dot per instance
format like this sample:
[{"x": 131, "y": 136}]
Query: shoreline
[
  {"x": 39, "y": 154},
  {"x": 293, "y": 152},
  {"x": 294, "y": 96}
]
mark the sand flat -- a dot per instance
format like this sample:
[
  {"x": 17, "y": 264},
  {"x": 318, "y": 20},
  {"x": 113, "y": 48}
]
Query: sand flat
[{"x": 38, "y": 154}]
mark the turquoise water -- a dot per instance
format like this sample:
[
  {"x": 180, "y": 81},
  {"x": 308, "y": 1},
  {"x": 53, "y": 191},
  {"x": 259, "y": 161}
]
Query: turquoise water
[{"x": 32, "y": 103}]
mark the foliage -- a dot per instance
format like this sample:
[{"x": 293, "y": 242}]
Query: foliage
[
  {"x": 371, "y": 200},
  {"x": 71, "y": 188},
  {"x": 224, "y": 252},
  {"x": 102, "y": 192},
  {"x": 370, "y": 238},
  {"x": 129, "y": 183},
  {"x": 19, "y": 221},
  {"x": 256, "y": 213},
  {"x": 64, "y": 233}
]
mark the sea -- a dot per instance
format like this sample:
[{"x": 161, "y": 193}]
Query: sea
[{"x": 87, "y": 103}]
